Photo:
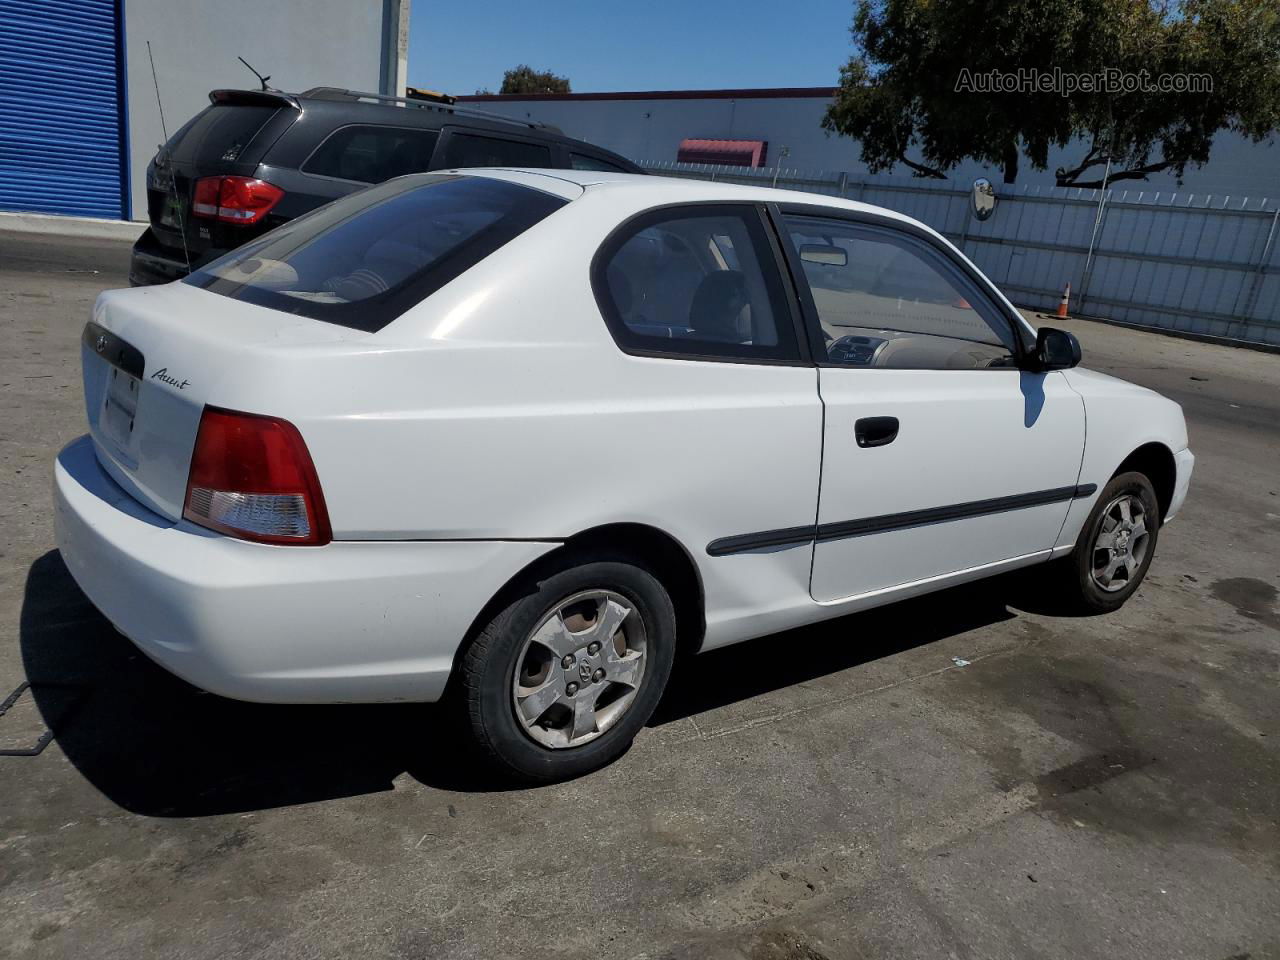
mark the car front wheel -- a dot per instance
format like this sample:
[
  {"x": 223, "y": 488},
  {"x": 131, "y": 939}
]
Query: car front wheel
[
  {"x": 1115, "y": 548},
  {"x": 563, "y": 677}
]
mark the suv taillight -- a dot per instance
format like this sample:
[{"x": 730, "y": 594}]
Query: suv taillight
[
  {"x": 252, "y": 477},
  {"x": 234, "y": 199}
]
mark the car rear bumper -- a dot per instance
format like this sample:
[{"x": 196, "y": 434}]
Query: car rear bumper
[
  {"x": 354, "y": 621},
  {"x": 153, "y": 263}
]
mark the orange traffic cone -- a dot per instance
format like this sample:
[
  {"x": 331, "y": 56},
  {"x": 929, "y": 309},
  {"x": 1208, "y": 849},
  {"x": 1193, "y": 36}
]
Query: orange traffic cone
[{"x": 1066, "y": 297}]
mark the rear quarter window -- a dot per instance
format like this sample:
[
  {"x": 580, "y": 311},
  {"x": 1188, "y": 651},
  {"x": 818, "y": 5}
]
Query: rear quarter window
[
  {"x": 473, "y": 150},
  {"x": 582, "y": 161},
  {"x": 365, "y": 259}
]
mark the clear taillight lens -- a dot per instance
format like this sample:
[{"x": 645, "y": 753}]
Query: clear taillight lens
[{"x": 252, "y": 477}]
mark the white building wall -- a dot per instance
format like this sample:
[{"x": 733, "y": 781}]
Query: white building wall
[
  {"x": 298, "y": 43},
  {"x": 651, "y": 130}
]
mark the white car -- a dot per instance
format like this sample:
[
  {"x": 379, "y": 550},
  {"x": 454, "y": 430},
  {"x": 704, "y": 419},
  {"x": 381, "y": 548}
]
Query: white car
[{"x": 517, "y": 436}]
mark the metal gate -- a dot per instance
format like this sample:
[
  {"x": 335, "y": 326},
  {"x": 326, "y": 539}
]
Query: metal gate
[{"x": 62, "y": 145}]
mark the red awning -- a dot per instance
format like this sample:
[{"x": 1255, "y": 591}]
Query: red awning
[{"x": 729, "y": 153}]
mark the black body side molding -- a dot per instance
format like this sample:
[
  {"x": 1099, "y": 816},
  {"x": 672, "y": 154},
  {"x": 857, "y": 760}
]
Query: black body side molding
[{"x": 790, "y": 536}]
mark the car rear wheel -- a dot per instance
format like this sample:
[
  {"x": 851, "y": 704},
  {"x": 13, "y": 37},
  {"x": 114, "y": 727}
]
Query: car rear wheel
[
  {"x": 1116, "y": 546},
  {"x": 563, "y": 677}
]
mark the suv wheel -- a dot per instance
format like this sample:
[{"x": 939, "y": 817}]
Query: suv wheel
[{"x": 561, "y": 680}]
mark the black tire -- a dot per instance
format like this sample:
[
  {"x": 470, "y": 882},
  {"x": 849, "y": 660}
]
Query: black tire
[
  {"x": 1075, "y": 573},
  {"x": 487, "y": 670}
]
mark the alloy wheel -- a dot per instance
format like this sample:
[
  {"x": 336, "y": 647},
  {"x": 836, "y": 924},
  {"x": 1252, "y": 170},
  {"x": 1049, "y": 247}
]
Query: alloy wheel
[
  {"x": 1121, "y": 544},
  {"x": 579, "y": 669}
]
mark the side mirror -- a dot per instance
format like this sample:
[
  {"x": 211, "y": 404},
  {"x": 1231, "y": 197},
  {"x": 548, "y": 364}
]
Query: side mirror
[{"x": 1056, "y": 349}]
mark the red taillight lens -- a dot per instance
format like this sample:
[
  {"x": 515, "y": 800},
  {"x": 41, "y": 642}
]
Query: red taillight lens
[
  {"x": 252, "y": 477},
  {"x": 234, "y": 199}
]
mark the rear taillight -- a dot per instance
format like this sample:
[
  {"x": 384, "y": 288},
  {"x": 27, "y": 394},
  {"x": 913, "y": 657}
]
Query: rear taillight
[
  {"x": 252, "y": 477},
  {"x": 234, "y": 199}
]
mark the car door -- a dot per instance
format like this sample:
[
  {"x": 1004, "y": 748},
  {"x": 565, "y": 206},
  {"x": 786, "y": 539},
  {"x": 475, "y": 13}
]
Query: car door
[{"x": 943, "y": 452}]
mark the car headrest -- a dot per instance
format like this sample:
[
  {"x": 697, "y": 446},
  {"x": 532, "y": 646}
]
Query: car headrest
[{"x": 716, "y": 304}]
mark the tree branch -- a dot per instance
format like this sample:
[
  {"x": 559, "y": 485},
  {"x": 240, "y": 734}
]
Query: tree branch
[
  {"x": 1137, "y": 173},
  {"x": 1091, "y": 159},
  {"x": 920, "y": 169}
]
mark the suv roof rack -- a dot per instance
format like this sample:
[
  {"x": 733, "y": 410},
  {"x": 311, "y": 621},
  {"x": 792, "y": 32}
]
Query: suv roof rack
[{"x": 340, "y": 93}]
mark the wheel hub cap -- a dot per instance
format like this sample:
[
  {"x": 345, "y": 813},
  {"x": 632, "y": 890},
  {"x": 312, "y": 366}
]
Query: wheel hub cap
[
  {"x": 579, "y": 669},
  {"x": 1120, "y": 543},
  {"x": 586, "y": 668}
]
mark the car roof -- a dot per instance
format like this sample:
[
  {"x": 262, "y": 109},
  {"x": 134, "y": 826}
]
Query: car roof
[{"x": 662, "y": 190}]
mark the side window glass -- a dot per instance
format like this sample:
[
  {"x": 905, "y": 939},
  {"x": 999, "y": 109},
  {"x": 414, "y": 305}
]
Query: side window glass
[
  {"x": 886, "y": 300},
  {"x": 469, "y": 150},
  {"x": 372, "y": 154},
  {"x": 696, "y": 281},
  {"x": 580, "y": 161}
]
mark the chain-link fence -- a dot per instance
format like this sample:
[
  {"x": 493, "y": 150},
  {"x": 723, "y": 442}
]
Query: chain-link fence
[{"x": 1175, "y": 261}]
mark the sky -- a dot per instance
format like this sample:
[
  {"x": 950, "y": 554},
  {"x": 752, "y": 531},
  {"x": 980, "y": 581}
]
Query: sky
[{"x": 462, "y": 47}]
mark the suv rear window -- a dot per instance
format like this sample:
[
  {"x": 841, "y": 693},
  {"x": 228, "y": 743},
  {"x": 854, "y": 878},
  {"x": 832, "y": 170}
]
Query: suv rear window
[
  {"x": 372, "y": 154},
  {"x": 219, "y": 134},
  {"x": 365, "y": 259},
  {"x": 471, "y": 150}
]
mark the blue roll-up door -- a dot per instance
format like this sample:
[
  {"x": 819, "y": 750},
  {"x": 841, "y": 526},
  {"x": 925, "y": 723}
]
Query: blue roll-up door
[{"x": 61, "y": 118}]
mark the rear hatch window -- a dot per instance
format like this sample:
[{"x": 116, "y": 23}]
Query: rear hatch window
[
  {"x": 365, "y": 259},
  {"x": 219, "y": 134}
]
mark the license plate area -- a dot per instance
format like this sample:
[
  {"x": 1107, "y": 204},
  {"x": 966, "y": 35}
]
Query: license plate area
[
  {"x": 120, "y": 408},
  {"x": 118, "y": 412}
]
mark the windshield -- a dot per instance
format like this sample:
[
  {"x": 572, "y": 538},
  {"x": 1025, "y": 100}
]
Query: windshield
[{"x": 363, "y": 260}]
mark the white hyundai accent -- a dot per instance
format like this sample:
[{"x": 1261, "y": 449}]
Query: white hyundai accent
[{"x": 518, "y": 436}]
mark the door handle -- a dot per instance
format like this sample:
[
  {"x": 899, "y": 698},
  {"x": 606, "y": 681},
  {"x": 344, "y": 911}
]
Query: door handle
[{"x": 875, "y": 431}]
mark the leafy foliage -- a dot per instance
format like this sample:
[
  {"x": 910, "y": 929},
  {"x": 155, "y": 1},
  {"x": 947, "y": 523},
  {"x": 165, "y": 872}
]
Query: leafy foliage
[
  {"x": 524, "y": 79},
  {"x": 899, "y": 93}
]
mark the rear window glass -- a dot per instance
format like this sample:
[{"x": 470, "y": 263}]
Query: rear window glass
[
  {"x": 372, "y": 154},
  {"x": 219, "y": 134},
  {"x": 363, "y": 260},
  {"x": 469, "y": 150}
]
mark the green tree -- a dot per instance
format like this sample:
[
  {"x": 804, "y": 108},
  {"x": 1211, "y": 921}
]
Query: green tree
[
  {"x": 911, "y": 85},
  {"x": 524, "y": 79}
]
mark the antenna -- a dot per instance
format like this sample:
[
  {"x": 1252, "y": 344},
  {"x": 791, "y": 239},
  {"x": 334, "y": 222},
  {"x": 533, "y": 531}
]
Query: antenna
[
  {"x": 173, "y": 183},
  {"x": 263, "y": 80}
]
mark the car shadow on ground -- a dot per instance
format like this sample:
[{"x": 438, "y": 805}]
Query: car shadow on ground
[
  {"x": 744, "y": 670},
  {"x": 157, "y": 746}
]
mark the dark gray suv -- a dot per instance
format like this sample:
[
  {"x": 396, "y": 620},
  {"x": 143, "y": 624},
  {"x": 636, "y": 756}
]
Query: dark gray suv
[{"x": 255, "y": 159}]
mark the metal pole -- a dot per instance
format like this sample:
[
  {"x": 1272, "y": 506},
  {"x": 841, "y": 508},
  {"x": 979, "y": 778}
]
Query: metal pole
[
  {"x": 1093, "y": 237},
  {"x": 1256, "y": 283}
]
